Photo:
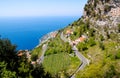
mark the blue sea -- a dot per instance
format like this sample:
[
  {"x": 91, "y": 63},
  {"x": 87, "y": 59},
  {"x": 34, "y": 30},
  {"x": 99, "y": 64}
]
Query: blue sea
[{"x": 25, "y": 32}]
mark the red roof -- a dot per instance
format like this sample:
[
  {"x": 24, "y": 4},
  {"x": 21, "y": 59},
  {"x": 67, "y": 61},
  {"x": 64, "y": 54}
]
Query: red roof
[
  {"x": 82, "y": 39},
  {"x": 69, "y": 31}
]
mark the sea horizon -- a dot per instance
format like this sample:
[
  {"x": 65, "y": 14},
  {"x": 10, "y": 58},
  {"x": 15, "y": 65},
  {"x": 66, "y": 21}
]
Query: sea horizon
[{"x": 25, "y": 32}]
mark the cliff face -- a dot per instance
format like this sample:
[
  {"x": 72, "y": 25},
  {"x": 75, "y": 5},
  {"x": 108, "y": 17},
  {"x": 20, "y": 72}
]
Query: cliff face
[{"x": 103, "y": 13}]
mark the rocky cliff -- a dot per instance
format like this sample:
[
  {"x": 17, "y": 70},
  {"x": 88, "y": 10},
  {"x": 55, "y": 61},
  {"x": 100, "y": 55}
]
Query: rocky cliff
[{"x": 103, "y": 14}]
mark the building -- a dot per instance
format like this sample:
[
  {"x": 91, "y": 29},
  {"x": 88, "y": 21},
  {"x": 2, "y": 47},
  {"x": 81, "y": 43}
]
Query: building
[
  {"x": 33, "y": 62},
  {"x": 20, "y": 53},
  {"x": 81, "y": 39},
  {"x": 69, "y": 32},
  {"x": 25, "y": 53},
  {"x": 46, "y": 37},
  {"x": 54, "y": 34}
]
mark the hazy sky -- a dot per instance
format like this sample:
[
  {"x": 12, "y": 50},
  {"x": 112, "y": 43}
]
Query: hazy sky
[{"x": 41, "y": 7}]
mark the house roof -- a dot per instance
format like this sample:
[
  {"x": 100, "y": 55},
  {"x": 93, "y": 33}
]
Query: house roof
[
  {"x": 82, "y": 39},
  {"x": 53, "y": 34},
  {"x": 69, "y": 31},
  {"x": 20, "y": 54}
]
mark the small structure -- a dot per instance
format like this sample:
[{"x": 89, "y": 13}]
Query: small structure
[
  {"x": 25, "y": 53},
  {"x": 81, "y": 39},
  {"x": 46, "y": 37},
  {"x": 69, "y": 32},
  {"x": 33, "y": 62},
  {"x": 20, "y": 53},
  {"x": 53, "y": 34}
]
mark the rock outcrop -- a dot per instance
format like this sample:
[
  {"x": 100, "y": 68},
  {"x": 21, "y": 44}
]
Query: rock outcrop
[{"x": 103, "y": 14}]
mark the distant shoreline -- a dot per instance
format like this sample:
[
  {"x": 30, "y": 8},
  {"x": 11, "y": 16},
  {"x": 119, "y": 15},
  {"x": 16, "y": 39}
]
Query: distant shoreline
[{"x": 26, "y": 32}]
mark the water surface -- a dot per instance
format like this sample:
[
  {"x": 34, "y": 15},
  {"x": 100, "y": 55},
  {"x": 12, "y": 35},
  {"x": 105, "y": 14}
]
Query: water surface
[{"x": 26, "y": 31}]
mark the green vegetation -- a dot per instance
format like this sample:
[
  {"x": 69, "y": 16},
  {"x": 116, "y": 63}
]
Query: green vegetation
[
  {"x": 74, "y": 64},
  {"x": 82, "y": 46},
  {"x": 36, "y": 53},
  {"x": 101, "y": 47},
  {"x": 58, "y": 46},
  {"x": 107, "y": 8},
  {"x": 118, "y": 54},
  {"x": 103, "y": 61},
  {"x": 79, "y": 29},
  {"x": 56, "y": 63},
  {"x": 60, "y": 64},
  {"x": 17, "y": 67},
  {"x": 4, "y": 73},
  {"x": 59, "y": 58},
  {"x": 103, "y": 53}
]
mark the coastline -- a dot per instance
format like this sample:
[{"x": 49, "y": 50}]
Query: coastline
[
  {"x": 25, "y": 32},
  {"x": 46, "y": 37}
]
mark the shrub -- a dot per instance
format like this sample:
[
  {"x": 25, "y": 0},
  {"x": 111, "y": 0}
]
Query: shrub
[
  {"x": 107, "y": 8},
  {"x": 101, "y": 46},
  {"x": 118, "y": 54},
  {"x": 101, "y": 38},
  {"x": 91, "y": 42},
  {"x": 82, "y": 47},
  {"x": 91, "y": 32}
]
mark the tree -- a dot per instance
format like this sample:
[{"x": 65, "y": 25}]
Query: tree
[
  {"x": 12, "y": 66},
  {"x": 91, "y": 32},
  {"x": 91, "y": 42},
  {"x": 82, "y": 47},
  {"x": 68, "y": 48},
  {"x": 7, "y": 50},
  {"x": 38, "y": 72},
  {"x": 8, "y": 54},
  {"x": 24, "y": 70},
  {"x": 5, "y": 73},
  {"x": 118, "y": 54}
]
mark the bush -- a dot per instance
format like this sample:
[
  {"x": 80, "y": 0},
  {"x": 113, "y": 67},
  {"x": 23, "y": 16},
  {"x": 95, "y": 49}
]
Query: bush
[
  {"x": 58, "y": 46},
  {"x": 118, "y": 54},
  {"x": 91, "y": 42},
  {"x": 82, "y": 47},
  {"x": 101, "y": 38},
  {"x": 107, "y": 8},
  {"x": 91, "y": 32},
  {"x": 101, "y": 46}
]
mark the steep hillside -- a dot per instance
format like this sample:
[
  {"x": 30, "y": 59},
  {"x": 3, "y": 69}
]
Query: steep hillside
[
  {"x": 103, "y": 14},
  {"x": 91, "y": 44},
  {"x": 101, "y": 25}
]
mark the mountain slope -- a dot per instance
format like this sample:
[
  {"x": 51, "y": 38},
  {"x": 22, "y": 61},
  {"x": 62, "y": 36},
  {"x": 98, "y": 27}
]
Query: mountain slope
[
  {"x": 103, "y": 14},
  {"x": 97, "y": 36}
]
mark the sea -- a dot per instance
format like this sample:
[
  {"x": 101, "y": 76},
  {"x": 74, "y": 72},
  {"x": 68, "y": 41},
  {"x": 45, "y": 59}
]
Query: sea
[{"x": 25, "y": 32}]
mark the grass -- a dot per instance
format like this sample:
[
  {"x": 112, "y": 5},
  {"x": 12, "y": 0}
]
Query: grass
[
  {"x": 61, "y": 63},
  {"x": 56, "y": 63},
  {"x": 74, "y": 64},
  {"x": 37, "y": 52},
  {"x": 96, "y": 57},
  {"x": 103, "y": 62},
  {"x": 56, "y": 46}
]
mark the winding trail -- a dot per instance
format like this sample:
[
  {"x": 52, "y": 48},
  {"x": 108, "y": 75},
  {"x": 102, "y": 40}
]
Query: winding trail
[
  {"x": 41, "y": 58},
  {"x": 82, "y": 58},
  {"x": 84, "y": 61}
]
